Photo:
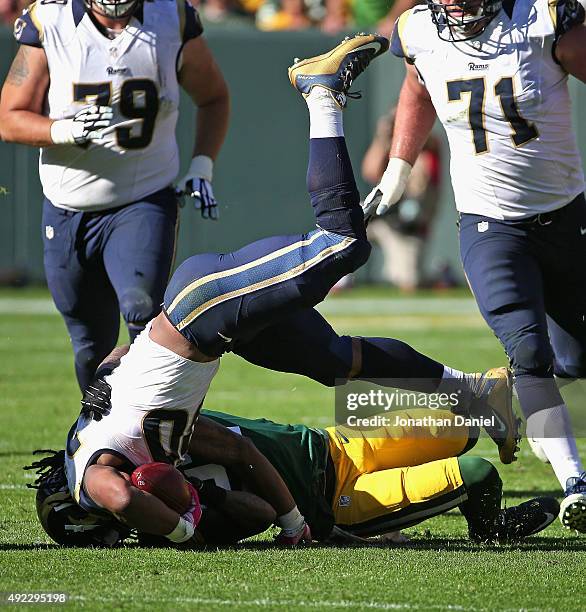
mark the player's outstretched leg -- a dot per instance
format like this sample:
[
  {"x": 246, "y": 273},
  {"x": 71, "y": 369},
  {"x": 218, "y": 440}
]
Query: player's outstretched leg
[
  {"x": 324, "y": 81},
  {"x": 217, "y": 300},
  {"x": 305, "y": 343}
]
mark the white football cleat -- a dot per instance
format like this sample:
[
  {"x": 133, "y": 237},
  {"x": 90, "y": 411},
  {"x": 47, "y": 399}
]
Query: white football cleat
[{"x": 573, "y": 506}]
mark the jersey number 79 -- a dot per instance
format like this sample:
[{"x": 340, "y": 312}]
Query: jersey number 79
[{"x": 139, "y": 99}]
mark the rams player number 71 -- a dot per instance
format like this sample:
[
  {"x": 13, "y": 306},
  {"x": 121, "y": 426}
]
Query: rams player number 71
[
  {"x": 495, "y": 74},
  {"x": 95, "y": 84}
]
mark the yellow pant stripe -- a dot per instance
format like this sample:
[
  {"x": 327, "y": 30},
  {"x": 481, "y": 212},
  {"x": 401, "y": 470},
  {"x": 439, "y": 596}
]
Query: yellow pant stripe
[
  {"x": 265, "y": 283},
  {"x": 247, "y": 266}
]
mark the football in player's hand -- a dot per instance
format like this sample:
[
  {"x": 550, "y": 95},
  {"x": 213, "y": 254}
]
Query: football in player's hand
[{"x": 165, "y": 482}]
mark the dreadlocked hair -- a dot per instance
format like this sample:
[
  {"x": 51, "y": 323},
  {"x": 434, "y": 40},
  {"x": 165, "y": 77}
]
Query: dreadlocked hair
[{"x": 49, "y": 469}]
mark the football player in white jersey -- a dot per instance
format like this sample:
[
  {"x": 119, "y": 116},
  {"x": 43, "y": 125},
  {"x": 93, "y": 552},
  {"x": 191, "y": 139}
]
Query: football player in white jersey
[
  {"x": 96, "y": 86},
  {"x": 258, "y": 302},
  {"x": 348, "y": 487},
  {"x": 495, "y": 74}
]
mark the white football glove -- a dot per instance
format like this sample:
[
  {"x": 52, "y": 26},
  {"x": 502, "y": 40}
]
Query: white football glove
[
  {"x": 390, "y": 188},
  {"x": 197, "y": 184},
  {"x": 89, "y": 124}
]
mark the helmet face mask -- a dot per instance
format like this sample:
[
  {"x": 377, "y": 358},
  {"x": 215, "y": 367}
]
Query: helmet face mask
[
  {"x": 113, "y": 9},
  {"x": 462, "y": 20}
]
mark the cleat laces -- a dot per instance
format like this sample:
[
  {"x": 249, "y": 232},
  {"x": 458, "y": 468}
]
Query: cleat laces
[{"x": 354, "y": 67}]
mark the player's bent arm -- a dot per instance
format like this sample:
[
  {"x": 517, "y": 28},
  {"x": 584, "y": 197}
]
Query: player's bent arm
[
  {"x": 250, "y": 513},
  {"x": 570, "y": 52},
  {"x": 22, "y": 98},
  {"x": 414, "y": 118},
  {"x": 213, "y": 443},
  {"x": 111, "y": 489},
  {"x": 202, "y": 79}
]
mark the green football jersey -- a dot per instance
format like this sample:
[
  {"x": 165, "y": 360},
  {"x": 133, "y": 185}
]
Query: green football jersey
[{"x": 300, "y": 455}]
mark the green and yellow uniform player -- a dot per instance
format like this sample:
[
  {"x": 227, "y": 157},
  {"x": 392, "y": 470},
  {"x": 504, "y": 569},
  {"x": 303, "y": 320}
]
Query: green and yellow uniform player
[{"x": 392, "y": 478}]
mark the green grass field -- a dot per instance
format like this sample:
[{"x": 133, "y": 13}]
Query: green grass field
[{"x": 438, "y": 570}]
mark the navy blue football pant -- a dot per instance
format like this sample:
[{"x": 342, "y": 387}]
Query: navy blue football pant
[
  {"x": 218, "y": 300},
  {"x": 529, "y": 279},
  {"x": 258, "y": 301},
  {"x": 101, "y": 264}
]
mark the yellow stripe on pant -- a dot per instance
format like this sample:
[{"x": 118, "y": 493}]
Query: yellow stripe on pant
[{"x": 401, "y": 474}]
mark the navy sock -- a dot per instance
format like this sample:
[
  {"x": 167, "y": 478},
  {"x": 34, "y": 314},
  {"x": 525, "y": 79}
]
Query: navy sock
[
  {"x": 330, "y": 182},
  {"x": 536, "y": 393},
  {"x": 388, "y": 358}
]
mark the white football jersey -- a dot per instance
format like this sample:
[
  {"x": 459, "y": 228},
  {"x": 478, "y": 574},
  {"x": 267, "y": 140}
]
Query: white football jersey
[
  {"x": 504, "y": 103},
  {"x": 135, "y": 73},
  {"x": 156, "y": 397}
]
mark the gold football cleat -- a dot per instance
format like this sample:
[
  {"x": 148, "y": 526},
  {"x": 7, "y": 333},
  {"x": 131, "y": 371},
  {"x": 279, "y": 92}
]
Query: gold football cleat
[
  {"x": 494, "y": 403},
  {"x": 337, "y": 69}
]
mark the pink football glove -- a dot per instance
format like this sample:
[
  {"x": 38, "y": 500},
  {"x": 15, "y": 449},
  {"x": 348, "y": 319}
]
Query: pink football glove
[{"x": 193, "y": 514}]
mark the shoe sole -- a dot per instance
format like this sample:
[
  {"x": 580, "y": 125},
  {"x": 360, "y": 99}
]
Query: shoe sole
[
  {"x": 573, "y": 512},
  {"x": 371, "y": 44}
]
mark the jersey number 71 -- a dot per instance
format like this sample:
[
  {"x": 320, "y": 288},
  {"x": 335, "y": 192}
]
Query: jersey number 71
[{"x": 523, "y": 131}]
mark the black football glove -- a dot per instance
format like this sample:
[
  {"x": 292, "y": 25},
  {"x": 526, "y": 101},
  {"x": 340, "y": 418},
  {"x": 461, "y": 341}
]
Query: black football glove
[{"x": 95, "y": 402}]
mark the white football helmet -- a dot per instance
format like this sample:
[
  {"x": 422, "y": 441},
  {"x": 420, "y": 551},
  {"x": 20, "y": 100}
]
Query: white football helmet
[
  {"x": 114, "y": 9},
  {"x": 461, "y": 20}
]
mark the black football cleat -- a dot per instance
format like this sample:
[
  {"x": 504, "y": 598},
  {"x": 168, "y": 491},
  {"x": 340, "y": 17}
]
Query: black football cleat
[
  {"x": 517, "y": 522},
  {"x": 528, "y": 518},
  {"x": 337, "y": 69}
]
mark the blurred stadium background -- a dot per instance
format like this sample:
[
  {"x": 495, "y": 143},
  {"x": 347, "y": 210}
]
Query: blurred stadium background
[{"x": 260, "y": 175}]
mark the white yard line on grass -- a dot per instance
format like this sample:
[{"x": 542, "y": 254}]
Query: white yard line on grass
[
  {"x": 399, "y": 306},
  {"x": 23, "y": 306},
  {"x": 416, "y": 322},
  {"x": 277, "y": 603},
  {"x": 335, "y": 307},
  {"x": 344, "y": 313}
]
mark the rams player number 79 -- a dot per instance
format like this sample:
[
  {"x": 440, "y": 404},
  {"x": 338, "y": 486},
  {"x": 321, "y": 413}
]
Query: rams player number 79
[{"x": 95, "y": 85}]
